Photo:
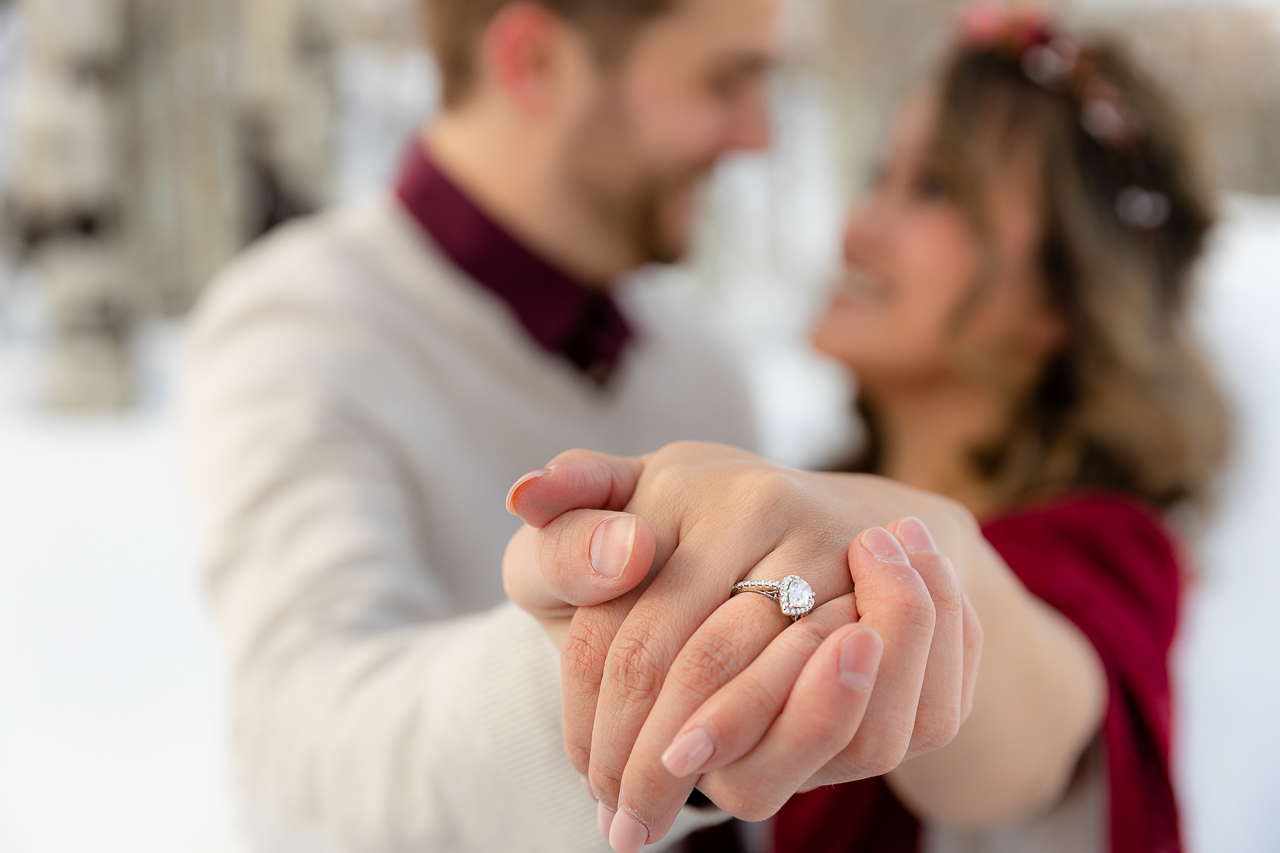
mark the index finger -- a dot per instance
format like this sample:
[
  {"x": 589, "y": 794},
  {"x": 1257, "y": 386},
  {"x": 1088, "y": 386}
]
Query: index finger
[{"x": 578, "y": 479}]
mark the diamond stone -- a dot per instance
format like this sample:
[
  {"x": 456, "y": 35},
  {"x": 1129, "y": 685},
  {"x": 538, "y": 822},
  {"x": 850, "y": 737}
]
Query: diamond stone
[{"x": 795, "y": 595}]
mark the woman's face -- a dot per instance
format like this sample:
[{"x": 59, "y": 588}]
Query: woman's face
[{"x": 912, "y": 259}]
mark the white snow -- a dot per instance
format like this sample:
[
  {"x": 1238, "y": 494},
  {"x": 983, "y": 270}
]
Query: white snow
[
  {"x": 110, "y": 690},
  {"x": 1230, "y": 673},
  {"x": 110, "y": 682}
]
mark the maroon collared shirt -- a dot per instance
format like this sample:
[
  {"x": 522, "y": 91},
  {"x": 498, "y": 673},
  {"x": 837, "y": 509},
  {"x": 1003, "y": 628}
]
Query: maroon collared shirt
[{"x": 565, "y": 316}]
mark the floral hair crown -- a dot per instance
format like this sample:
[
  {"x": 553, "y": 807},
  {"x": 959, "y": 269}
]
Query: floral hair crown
[{"x": 1060, "y": 63}]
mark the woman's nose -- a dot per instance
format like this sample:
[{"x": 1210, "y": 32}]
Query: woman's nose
[{"x": 749, "y": 125}]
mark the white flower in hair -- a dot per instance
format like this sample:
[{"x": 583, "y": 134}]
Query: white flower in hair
[{"x": 1144, "y": 209}]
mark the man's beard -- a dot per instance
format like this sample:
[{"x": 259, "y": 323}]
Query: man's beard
[{"x": 640, "y": 206}]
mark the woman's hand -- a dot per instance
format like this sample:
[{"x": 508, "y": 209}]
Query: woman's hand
[{"x": 669, "y": 683}]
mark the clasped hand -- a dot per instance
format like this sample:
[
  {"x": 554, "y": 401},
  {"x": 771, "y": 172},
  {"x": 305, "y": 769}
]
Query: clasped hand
[{"x": 669, "y": 683}]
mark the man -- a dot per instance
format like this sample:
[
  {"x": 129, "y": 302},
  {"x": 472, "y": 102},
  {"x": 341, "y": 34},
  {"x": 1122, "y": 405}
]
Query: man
[{"x": 363, "y": 387}]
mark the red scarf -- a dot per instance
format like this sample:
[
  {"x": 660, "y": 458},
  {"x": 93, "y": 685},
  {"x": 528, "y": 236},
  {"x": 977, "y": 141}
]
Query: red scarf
[{"x": 1109, "y": 566}]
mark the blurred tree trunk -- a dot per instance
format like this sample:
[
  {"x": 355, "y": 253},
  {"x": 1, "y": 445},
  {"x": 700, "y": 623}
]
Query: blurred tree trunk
[
  {"x": 154, "y": 140},
  {"x": 69, "y": 193}
]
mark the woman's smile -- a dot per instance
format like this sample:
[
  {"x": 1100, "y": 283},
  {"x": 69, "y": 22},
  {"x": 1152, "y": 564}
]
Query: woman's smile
[{"x": 860, "y": 289}]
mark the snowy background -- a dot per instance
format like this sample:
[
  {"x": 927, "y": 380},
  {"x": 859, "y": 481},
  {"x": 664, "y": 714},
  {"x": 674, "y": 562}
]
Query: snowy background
[
  {"x": 110, "y": 686},
  {"x": 110, "y": 680}
]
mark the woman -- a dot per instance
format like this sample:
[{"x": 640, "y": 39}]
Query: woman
[{"x": 1015, "y": 310}]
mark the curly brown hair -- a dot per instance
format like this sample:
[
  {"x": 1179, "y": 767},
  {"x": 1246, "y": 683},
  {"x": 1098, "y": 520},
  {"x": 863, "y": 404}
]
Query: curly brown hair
[{"x": 1128, "y": 404}]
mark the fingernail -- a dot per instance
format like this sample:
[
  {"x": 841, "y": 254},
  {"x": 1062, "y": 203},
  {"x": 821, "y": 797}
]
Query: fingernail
[
  {"x": 611, "y": 545},
  {"x": 627, "y": 835},
  {"x": 860, "y": 659},
  {"x": 913, "y": 534},
  {"x": 884, "y": 545},
  {"x": 689, "y": 753},
  {"x": 604, "y": 819},
  {"x": 532, "y": 475},
  {"x": 586, "y": 784}
]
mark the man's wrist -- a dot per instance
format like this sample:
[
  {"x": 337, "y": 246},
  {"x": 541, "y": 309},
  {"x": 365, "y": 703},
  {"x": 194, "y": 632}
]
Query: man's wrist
[{"x": 557, "y": 628}]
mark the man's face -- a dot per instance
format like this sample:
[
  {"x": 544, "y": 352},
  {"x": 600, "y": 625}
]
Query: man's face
[{"x": 691, "y": 88}]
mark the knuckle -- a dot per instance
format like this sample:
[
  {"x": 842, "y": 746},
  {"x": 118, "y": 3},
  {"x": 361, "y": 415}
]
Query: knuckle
[
  {"x": 697, "y": 452},
  {"x": 761, "y": 497},
  {"x": 937, "y": 724},
  {"x": 585, "y": 652},
  {"x": 881, "y": 764},
  {"x": 671, "y": 484},
  {"x": 878, "y": 756},
  {"x": 753, "y": 699},
  {"x": 824, "y": 722},
  {"x": 682, "y": 449},
  {"x": 707, "y": 662},
  {"x": 950, "y": 518},
  {"x": 973, "y": 632},
  {"x": 746, "y": 799},
  {"x": 913, "y": 602},
  {"x": 936, "y": 731},
  {"x": 756, "y": 809},
  {"x": 944, "y": 587},
  {"x": 606, "y": 781},
  {"x": 554, "y": 554},
  {"x": 579, "y": 757},
  {"x": 633, "y": 667}
]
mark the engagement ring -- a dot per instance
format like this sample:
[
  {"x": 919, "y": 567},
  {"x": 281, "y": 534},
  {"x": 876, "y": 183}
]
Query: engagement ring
[{"x": 793, "y": 594}]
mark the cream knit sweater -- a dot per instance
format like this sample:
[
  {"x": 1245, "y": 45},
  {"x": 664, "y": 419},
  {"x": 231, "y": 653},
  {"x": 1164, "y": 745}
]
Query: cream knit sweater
[{"x": 354, "y": 411}]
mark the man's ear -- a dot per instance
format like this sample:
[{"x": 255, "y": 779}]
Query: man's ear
[{"x": 530, "y": 54}]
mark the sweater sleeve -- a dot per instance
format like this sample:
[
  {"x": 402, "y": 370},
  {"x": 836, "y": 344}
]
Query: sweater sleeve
[{"x": 364, "y": 716}]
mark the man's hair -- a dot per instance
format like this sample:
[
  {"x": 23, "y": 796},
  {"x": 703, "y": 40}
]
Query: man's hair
[{"x": 455, "y": 28}]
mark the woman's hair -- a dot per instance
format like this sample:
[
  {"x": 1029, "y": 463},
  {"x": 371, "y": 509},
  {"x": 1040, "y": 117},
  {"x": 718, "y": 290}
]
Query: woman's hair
[{"x": 1128, "y": 403}]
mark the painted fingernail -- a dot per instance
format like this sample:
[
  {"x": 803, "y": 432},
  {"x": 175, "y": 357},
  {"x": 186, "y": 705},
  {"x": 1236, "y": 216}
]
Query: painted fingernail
[
  {"x": 884, "y": 545},
  {"x": 604, "y": 819},
  {"x": 611, "y": 545},
  {"x": 627, "y": 835},
  {"x": 913, "y": 534},
  {"x": 689, "y": 753},
  {"x": 860, "y": 659},
  {"x": 586, "y": 784},
  {"x": 527, "y": 478}
]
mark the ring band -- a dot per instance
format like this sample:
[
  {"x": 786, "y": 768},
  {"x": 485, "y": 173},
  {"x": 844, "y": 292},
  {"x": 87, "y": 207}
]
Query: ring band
[{"x": 793, "y": 594}]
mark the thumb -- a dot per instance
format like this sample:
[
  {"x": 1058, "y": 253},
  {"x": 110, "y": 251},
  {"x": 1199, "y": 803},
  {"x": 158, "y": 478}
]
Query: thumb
[
  {"x": 579, "y": 479},
  {"x": 582, "y": 558}
]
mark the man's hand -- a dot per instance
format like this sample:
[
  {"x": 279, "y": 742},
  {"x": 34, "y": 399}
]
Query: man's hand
[{"x": 669, "y": 683}]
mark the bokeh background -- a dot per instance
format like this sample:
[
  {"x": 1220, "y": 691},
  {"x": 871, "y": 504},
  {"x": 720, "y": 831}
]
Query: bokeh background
[{"x": 144, "y": 142}]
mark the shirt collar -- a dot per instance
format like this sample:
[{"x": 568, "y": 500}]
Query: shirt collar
[{"x": 564, "y": 315}]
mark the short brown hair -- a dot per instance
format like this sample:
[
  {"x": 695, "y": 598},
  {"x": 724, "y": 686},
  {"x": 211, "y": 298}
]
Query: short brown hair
[{"x": 455, "y": 27}]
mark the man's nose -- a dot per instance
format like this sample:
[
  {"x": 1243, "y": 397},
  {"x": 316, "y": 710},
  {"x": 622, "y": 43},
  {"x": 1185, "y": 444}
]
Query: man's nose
[{"x": 863, "y": 231}]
